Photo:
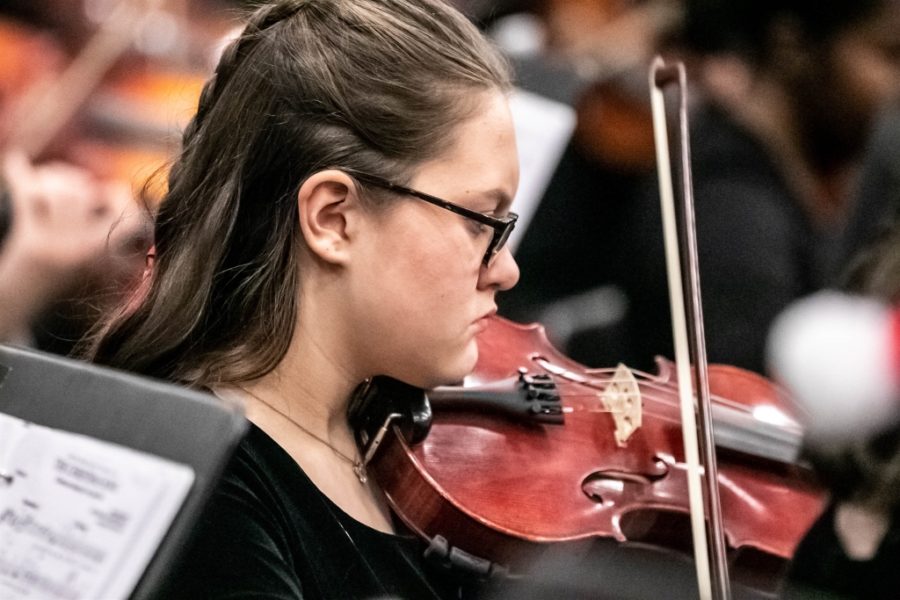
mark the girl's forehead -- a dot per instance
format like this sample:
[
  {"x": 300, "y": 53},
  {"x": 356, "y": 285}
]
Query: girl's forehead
[{"x": 482, "y": 161}]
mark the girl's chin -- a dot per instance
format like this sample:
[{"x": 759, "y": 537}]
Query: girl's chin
[
  {"x": 453, "y": 375},
  {"x": 449, "y": 370},
  {"x": 465, "y": 366}
]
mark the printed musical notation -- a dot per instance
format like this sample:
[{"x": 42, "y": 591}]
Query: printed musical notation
[{"x": 80, "y": 518}]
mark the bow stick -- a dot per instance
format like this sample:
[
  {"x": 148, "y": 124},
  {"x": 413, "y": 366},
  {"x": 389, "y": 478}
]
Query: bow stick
[{"x": 687, "y": 330}]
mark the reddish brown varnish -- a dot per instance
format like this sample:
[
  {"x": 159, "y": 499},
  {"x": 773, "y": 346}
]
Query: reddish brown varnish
[{"x": 506, "y": 490}]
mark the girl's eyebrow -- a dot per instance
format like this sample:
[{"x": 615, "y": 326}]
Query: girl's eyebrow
[{"x": 500, "y": 198}]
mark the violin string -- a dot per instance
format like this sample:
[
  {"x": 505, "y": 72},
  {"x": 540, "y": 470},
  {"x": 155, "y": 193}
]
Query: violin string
[
  {"x": 671, "y": 415},
  {"x": 592, "y": 410},
  {"x": 597, "y": 409},
  {"x": 661, "y": 399},
  {"x": 738, "y": 410},
  {"x": 668, "y": 415},
  {"x": 646, "y": 381},
  {"x": 641, "y": 377}
]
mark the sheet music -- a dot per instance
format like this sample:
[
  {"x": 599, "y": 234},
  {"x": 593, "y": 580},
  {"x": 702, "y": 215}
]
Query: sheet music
[
  {"x": 80, "y": 518},
  {"x": 543, "y": 129}
]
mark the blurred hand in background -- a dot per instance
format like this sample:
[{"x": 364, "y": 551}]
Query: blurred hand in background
[{"x": 66, "y": 226}]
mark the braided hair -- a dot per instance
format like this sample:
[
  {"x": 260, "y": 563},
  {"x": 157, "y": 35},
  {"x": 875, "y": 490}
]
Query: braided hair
[{"x": 370, "y": 85}]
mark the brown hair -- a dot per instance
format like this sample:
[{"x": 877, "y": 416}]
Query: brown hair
[{"x": 370, "y": 85}]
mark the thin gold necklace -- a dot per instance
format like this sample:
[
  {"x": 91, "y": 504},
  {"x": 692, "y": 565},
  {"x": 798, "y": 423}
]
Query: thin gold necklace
[{"x": 359, "y": 467}]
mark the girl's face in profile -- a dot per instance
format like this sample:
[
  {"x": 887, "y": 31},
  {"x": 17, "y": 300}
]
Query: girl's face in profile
[{"x": 420, "y": 278}]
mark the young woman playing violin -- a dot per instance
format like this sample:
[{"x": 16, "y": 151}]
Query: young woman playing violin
[{"x": 339, "y": 211}]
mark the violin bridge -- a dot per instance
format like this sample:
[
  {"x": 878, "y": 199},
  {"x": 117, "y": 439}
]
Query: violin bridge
[{"x": 622, "y": 398}]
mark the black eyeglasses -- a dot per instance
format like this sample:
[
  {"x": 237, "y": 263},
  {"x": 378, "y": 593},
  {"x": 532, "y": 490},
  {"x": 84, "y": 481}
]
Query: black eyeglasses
[{"x": 502, "y": 226}]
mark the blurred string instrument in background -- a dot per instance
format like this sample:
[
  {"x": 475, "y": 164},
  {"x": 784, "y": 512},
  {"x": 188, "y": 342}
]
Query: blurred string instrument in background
[
  {"x": 607, "y": 44},
  {"x": 106, "y": 85},
  {"x": 125, "y": 77}
]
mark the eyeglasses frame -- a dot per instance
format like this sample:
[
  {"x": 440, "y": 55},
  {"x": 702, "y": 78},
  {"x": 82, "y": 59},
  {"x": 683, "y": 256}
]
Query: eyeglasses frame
[{"x": 502, "y": 226}]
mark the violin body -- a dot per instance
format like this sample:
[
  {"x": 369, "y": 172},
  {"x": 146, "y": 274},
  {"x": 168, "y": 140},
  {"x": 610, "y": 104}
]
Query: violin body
[{"x": 506, "y": 490}]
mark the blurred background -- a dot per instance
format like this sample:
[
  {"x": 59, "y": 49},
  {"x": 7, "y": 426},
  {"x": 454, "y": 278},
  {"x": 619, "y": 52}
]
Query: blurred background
[
  {"x": 93, "y": 95},
  {"x": 795, "y": 130},
  {"x": 794, "y": 120}
]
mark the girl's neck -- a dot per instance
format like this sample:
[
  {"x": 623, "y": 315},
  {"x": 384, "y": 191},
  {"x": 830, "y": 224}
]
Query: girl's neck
[
  {"x": 316, "y": 377},
  {"x": 302, "y": 406}
]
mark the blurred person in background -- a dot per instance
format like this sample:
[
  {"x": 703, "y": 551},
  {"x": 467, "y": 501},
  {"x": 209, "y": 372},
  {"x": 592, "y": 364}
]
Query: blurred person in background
[
  {"x": 877, "y": 206},
  {"x": 92, "y": 96},
  {"x": 58, "y": 227},
  {"x": 838, "y": 354},
  {"x": 787, "y": 95}
]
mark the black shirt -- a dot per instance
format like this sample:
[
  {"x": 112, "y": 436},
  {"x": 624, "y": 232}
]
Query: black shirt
[
  {"x": 821, "y": 570},
  {"x": 270, "y": 533}
]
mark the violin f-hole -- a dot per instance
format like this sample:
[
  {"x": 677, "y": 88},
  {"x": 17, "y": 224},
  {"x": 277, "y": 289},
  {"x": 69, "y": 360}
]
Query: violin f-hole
[{"x": 612, "y": 487}]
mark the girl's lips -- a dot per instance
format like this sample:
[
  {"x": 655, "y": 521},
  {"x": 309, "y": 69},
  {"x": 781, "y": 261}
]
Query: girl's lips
[{"x": 482, "y": 323}]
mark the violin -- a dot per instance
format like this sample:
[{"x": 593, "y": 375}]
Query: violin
[
  {"x": 606, "y": 43},
  {"x": 534, "y": 450}
]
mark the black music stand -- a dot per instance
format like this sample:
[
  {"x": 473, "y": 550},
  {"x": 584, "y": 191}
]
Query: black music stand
[{"x": 158, "y": 418}]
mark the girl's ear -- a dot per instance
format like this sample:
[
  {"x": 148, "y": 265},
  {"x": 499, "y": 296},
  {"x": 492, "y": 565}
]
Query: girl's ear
[{"x": 328, "y": 203}]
